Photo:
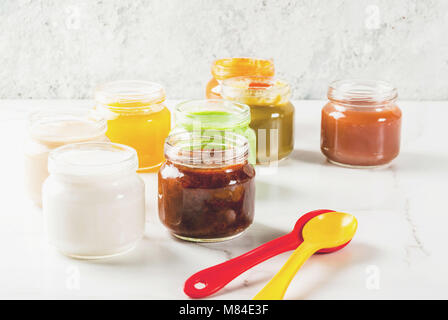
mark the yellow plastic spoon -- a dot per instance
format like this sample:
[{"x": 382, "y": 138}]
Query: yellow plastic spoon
[{"x": 327, "y": 230}]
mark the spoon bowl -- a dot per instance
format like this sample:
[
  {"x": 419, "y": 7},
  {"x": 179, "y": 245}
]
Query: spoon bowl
[
  {"x": 297, "y": 232},
  {"x": 330, "y": 230},
  {"x": 327, "y": 230}
]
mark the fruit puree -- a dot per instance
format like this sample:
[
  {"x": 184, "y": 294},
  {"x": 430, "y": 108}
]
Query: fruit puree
[{"x": 359, "y": 129}]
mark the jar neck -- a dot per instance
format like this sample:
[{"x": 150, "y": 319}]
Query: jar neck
[
  {"x": 130, "y": 95},
  {"x": 54, "y": 128},
  {"x": 255, "y": 91},
  {"x": 234, "y": 67},
  {"x": 194, "y": 149},
  {"x": 110, "y": 112},
  {"x": 362, "y": 94},
  {"x": 198, "y": 115},
  {"x": 92, "y": 161},
  {"x": 94, "y": 178}
]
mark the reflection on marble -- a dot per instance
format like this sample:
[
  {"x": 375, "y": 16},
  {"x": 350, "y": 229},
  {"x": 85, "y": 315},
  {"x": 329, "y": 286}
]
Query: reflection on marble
[{"x": 398, "y": 251}]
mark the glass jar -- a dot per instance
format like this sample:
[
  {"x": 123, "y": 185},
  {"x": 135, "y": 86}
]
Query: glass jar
[
  {"x": 208, "y": 116},
  {"x": 137, "y": 117},
  {"x": 206, "y": 186},
  {"x": 361, "y": 123},
  {"x": 234, "y": 67},
  {"x": 272, "y": 114},
  {"x": 49, "y": 129},
  {"x": 93, "y": 200}
]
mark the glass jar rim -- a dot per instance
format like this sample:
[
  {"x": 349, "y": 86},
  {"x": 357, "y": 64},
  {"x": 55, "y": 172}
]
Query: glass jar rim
[
  {"x": 255, "y": 87},
  {"x": 212, "y": 114},
  {"x": 181, "y": 148},
  {"x": 46, "y": 116},
  {"x": 130, "y": 92},
  {"x": 61, "y": 162},
  {"x": 362, "y": 92},
  {"x": 238, "y": 66}
]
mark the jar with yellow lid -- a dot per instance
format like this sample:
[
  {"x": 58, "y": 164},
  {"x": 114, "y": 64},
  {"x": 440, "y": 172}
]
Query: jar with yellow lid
[
  {"x": 272, "y": 114},
  {"x": 137, "y": 117},
  {"x": 235, "y": 67}
]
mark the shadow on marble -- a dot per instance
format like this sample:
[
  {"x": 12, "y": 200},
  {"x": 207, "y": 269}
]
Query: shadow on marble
[
  {"x": 406, "y": 161},
  {"x": 148, "y": 248},
  {"x": 418, "y": 162},
  {"x": 308, "y": 156},
  {"x": 142, "y": 255},
  {"x": 261, "y": 279},
  {"x": 300, "y": 155},
  {"x": 266, "y": 191},
  {"x": 255, "y": 236},
  {"x": 355, "y": 253}
]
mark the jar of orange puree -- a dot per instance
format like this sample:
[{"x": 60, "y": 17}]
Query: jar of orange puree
[
  {"x": 361, "y": 123},
  {"x": 137, "y": 117},
  {"x": 234, "y": 67}
]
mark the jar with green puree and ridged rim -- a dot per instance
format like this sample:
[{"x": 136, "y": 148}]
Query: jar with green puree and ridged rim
[{"x": 215, "y": 115}]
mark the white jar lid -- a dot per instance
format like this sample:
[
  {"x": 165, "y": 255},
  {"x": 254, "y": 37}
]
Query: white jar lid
[
  {"x": 92, "y": 159},
  {"x": 66, "y": 125}
]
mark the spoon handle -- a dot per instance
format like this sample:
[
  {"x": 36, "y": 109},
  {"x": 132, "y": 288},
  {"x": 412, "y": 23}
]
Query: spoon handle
[
  {"x": 276, "y": 288},
  {"x": 210, "y": 280}
]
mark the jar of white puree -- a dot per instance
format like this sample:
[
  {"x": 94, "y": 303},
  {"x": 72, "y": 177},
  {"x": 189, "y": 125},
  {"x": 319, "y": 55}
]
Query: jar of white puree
[
  {"x": 93, "y": 200},
  {"x": 50, "y": 129}
]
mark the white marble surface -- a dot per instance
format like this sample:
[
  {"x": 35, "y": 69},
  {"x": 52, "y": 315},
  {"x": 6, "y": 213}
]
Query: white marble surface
[
  {"x": 64, "y": 48},
  {"x": 399, "y": 250}
]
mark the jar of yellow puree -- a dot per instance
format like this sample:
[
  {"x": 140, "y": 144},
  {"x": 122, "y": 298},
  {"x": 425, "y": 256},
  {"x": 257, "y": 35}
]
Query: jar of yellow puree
[{"x": 137, "y": 117}]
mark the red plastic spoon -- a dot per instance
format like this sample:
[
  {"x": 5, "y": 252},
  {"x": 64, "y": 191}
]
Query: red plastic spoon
[{"x": 210, "y": 280}]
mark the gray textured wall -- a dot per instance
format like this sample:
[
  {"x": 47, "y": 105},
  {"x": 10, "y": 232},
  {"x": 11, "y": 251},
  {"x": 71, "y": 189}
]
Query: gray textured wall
[{"x": 63, "y": 48}]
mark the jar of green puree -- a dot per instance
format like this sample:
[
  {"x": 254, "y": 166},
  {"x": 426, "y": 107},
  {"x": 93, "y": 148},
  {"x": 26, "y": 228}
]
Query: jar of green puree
[{"x": 216, "y": 115}]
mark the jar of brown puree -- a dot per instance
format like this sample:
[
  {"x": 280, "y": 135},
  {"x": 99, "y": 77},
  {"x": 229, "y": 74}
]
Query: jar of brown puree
[{"x": 206, "y": 186}]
